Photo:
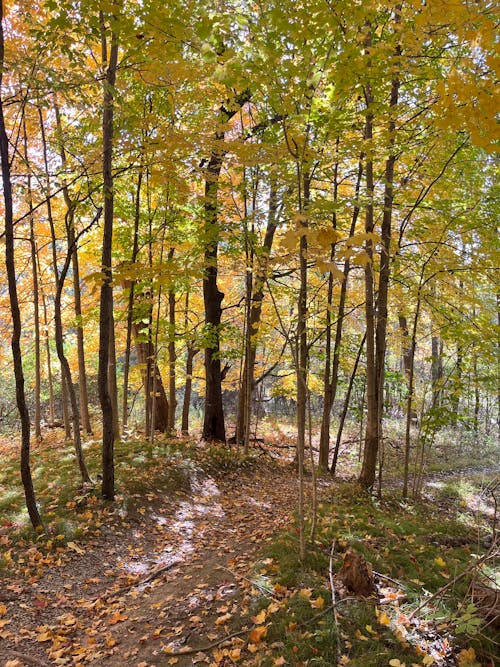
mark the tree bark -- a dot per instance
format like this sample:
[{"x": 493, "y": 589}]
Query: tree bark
[
  {"x": 346, "y": 406},
  {"x": 22, "y": 407},
  {"x": 172, "y": 356},
  {"x": 253, "y": 323},
  {"x": 36, "y": 304},
  {"x": 72, "y": 245},
  {"x": 146, "y": 357},
  {"x": 106, "y": 299},
  {"x": 367, "y": 475},
  {"x": 332, "y": 375},
  {"x": 213, "y": 422},
  {"x": 302, "y": 354},
  {"x": 376, "y": 313},
  {"x": 130, "y": 307}
]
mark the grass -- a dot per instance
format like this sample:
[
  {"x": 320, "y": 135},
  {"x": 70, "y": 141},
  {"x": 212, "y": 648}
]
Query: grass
[
  {"x": 411, "y": 544},
  {"x": 71, "y": 512}
]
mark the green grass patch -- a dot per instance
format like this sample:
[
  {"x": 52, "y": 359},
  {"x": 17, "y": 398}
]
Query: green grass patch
[{"x": 416, "y": 546}]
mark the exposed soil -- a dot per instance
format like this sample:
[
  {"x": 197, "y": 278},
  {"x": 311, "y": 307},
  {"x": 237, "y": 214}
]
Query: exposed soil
[{"x": 170, "y": 575}]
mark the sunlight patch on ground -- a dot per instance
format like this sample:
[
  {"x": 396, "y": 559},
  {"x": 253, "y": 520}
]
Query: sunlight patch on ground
[{"x": 182, "y": 525}]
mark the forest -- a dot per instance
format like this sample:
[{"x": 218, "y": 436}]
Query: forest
[{"x": 250, "y": 333}]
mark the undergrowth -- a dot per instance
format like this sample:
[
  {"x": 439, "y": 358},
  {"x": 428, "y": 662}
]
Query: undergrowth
[{"x": 415, "y": 548}]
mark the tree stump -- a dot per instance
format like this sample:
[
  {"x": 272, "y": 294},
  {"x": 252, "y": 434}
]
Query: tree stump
[{"x": 356, "y": 574}]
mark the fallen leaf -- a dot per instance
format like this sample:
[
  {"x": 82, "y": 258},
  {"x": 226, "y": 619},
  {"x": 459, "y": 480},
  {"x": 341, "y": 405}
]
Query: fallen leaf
[
  {"x": 117, "y": 618},
  {"x": 257, "y": 633},
  {"x": 383, "y": 619},
  {"x": 318, "y": 603},
  {"x": 223, "y": 619},
  {"x": 260, "y": 617},
  {"x": 75, "y": 547}
]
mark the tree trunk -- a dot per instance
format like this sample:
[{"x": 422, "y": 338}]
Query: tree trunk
[
  {"x": 145, "y": 352},
  {"x": 367, "y": 475},
  {"x": 113, "y": 387},
  {"x": 301, "y": 356},
  {"x": 67, "y": 388},
  {"x": 82, "y": 372},
  {"x": 376, "y": 313},
  {"x": 48, "y": 355},
  {"x": 213, "y": 423},
  {"x": 106, "y": 300},
  {"x": 172, "y": 357},
  {"x": 331, "y": 377},
  {"x": 410, "y": 412},
  {"x": 346, "y": 406},
  {"x": 130, "y": 307},
  {"x": 253, "y": 324},
  {"x": 36, "y": 305},
  {"x": 73, "y": 248},
  {"x": 26, "y": 477}
]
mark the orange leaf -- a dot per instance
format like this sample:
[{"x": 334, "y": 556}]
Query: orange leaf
[{"x": 257, "y": 633}]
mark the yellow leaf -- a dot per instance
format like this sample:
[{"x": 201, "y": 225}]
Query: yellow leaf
[
  {"x": 428, "y": 660},
  {"x": 75, "y": 547},
  {"x": 289, "y": 240},
  {"x": 279, "y": 661},
  {"x": 467, "y": 658},
  {"x": 305, "y": 593},
  {"x": 257, "y": 634},
  {"x": 44, "y": 637},
  {"x": 280, "y": 590},
  {"x": 260, "y": 617},
  {"x": 383, "y": 619},
  {"x": 223, "y": 619},
  {"x": 3, "y": 609},
  {"x": 252, "y": 648},
  {"x": 318, "y": 603},
  {"x": 396, "y": 663},
  {"x": 359, "y": 635},
  {"x": 117, "y": 618},
  {"x": 440, "y": 561}
]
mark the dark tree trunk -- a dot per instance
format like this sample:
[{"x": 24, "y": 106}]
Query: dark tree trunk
[
  {"x": 346, "y": 407},
  {"x": 376, "y": 312},
  {"x": 130, "y": 307},
  {"x": 253, "y": 324},
  {"x": 191, "y": 353},
  {"x": 332, "y": 374},
  {"x": 36, "y": 295},
  {"x": 152, "y": 377},
  {"x": 370, "y": 451},
  {"x": 106, "y": 300},
  {"x": 172, "y": 356},
  {"x": 213, "y": 423},
  {"x": 73, "y": 249},
  {"x": 22, "y": 407}
]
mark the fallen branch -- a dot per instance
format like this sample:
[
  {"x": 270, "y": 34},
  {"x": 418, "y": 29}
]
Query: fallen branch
[
  {"x": 384, "y": 576},
  {"x": 489, "y": 555},
  {"x": 28, "y": 659},
  {"x": 334, "y": 602},
  {"x": 150, "y": 577},
  {"x": 208, "y": 647}
]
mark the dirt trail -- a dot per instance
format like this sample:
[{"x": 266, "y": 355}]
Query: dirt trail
[{"x": 169, "y": 574}]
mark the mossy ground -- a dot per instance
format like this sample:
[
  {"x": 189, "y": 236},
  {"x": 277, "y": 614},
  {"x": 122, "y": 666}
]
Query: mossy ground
[{"x": 418, "y": 546}]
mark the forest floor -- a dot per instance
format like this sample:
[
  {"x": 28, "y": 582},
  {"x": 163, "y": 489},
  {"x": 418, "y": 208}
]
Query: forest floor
[{"x": 176, "y": 570}]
